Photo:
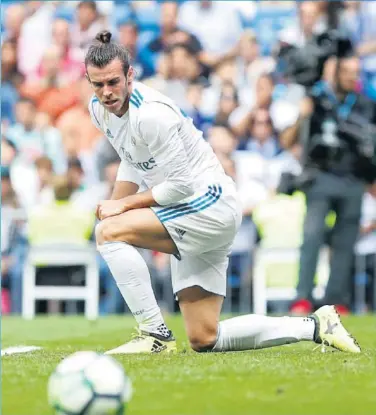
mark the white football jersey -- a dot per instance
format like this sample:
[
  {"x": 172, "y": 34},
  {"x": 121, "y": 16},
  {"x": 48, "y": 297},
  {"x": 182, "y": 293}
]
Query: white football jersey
[{"x": 158, "y": 145}]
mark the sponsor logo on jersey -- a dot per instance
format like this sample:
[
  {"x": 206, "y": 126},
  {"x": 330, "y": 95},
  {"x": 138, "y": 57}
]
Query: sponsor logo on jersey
[{"x": 143, "y": 165}]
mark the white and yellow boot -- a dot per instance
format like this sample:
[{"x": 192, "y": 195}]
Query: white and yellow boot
[
  {"x": 330, "y": 331},
  {"x": 144, "y": 342}
]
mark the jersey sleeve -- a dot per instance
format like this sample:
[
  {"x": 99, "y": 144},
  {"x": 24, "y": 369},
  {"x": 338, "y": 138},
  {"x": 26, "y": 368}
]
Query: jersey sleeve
[
  {"x": 159, "y": 127},
  {"x": 94, "y": 112},
  {"x": 127, "y": 173}
]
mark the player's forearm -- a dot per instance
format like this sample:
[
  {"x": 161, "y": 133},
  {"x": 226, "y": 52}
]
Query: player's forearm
[
  {"x": 123, "y": 189},
  {"x": 139, "y": 201}
]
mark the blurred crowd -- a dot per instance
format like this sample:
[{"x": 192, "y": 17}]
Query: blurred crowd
[{"x": 217, "y": 60}]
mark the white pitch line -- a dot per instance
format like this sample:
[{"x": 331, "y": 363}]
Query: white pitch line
[{"x": 18, "y": 349}]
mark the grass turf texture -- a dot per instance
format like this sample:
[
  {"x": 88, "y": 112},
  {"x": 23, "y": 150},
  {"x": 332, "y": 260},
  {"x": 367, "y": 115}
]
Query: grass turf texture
[{"x": 287, "y": 380}]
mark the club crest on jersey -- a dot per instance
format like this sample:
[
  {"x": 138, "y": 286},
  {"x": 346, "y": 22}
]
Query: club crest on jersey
[
  {"x": 127, "y": 155},
  {"x": 108, "y": 133}
]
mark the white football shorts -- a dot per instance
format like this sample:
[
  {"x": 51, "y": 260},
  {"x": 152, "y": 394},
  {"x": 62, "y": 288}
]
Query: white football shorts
[{"x": 203, "y": 229}]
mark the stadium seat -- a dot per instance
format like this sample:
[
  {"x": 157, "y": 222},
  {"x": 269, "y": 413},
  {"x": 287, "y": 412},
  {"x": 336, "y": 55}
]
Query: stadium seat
[{"x": 58, "y": 255}]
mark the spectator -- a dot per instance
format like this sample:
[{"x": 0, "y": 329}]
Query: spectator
[
  {"x": 75, "y": 176},
  {"x": 310, "y": 22},
  {"x": 223, "y": 144},
  {"x": 51, "y": 91},
  {"x": 12, "y": 246},
  {"x": 14, "y": 19},
  {"x": 261, "y": 138},
  {"x": 141, "y": 61},
  {"x": 250, "y": 64},
  {"x": 52, "y": 142},
  {"x": 35, "y": 35},
  {"x": 88, "y": 24},
  {"x": 288, "y": 161},
  {"x": 223, "y": 74},
  {"x": 60, "y": 221},
  {"x": 24, "y": 134},
  {"x": 217, "y": 43},
  {"x": 8, "y": 151},
  {"x": 85, "y": 194},
  {"x": 45, "y": 175},
  {"x": 8, "y": 195},
  {"x": 33, "y": 135},
  {"x": 79, "y": 135},
  {"x": 10, "y": 80},
  {"x": 184, "y": 64},
  {"x": 176, "y": 70},
  {"x": 72, "y": 67},
  {"x": 359, "y": 24},
  {"x": 222, "y": 141},
  {"x": 170, "y": 33},
  {"x": 168, "y": 24},
  {"x": 9, "y": 65},
  {"x": 105, "y": 154},
  {"x": 228, "y": 102},
  {"x": 240, "y": 120}
]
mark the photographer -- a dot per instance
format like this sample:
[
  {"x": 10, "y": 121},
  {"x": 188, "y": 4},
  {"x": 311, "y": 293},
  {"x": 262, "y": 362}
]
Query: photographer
[{"x": 337, "y": 129}]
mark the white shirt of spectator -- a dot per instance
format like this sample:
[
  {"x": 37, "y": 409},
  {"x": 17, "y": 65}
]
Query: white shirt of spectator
[
  {"x": 158, "y": 145},
  {"x": 293, "y": 34},
  {"x": 218, "y": 28},
  {"x": 368, "y": 20},
  {"x": 35, "y": 38}
]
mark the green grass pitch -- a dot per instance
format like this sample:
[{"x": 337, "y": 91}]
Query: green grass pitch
[{"x": 289, "y": 380}]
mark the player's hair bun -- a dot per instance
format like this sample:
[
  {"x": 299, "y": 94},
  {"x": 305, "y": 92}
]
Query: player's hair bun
[{"x": 104, "y": 36}]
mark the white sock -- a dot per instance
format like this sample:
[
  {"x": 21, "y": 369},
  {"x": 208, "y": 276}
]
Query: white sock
[
  {"x": 133, "y": 279},
  {"x": 257, "y": 332}
]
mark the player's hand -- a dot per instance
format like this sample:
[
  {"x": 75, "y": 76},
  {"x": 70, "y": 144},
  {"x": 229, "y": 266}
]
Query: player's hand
[{"x": 107, "y": 208}]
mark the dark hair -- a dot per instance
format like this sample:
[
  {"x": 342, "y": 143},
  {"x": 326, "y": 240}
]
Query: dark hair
[
  {"x": 187, "y": 47},
  {"x": 102, "y": 51}
]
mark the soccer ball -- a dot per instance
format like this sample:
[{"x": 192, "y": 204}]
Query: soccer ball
[{"x": 89, "y": 383}]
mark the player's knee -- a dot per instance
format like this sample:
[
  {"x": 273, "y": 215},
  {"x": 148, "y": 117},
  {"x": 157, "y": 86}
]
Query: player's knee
[
  {"x": 103, "y": 232},
  {"x": 204, "y": 339},
  {"x": 109, "y": 230}
]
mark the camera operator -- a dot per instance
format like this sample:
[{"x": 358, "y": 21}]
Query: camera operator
[{"x": 336, "y": 126}]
